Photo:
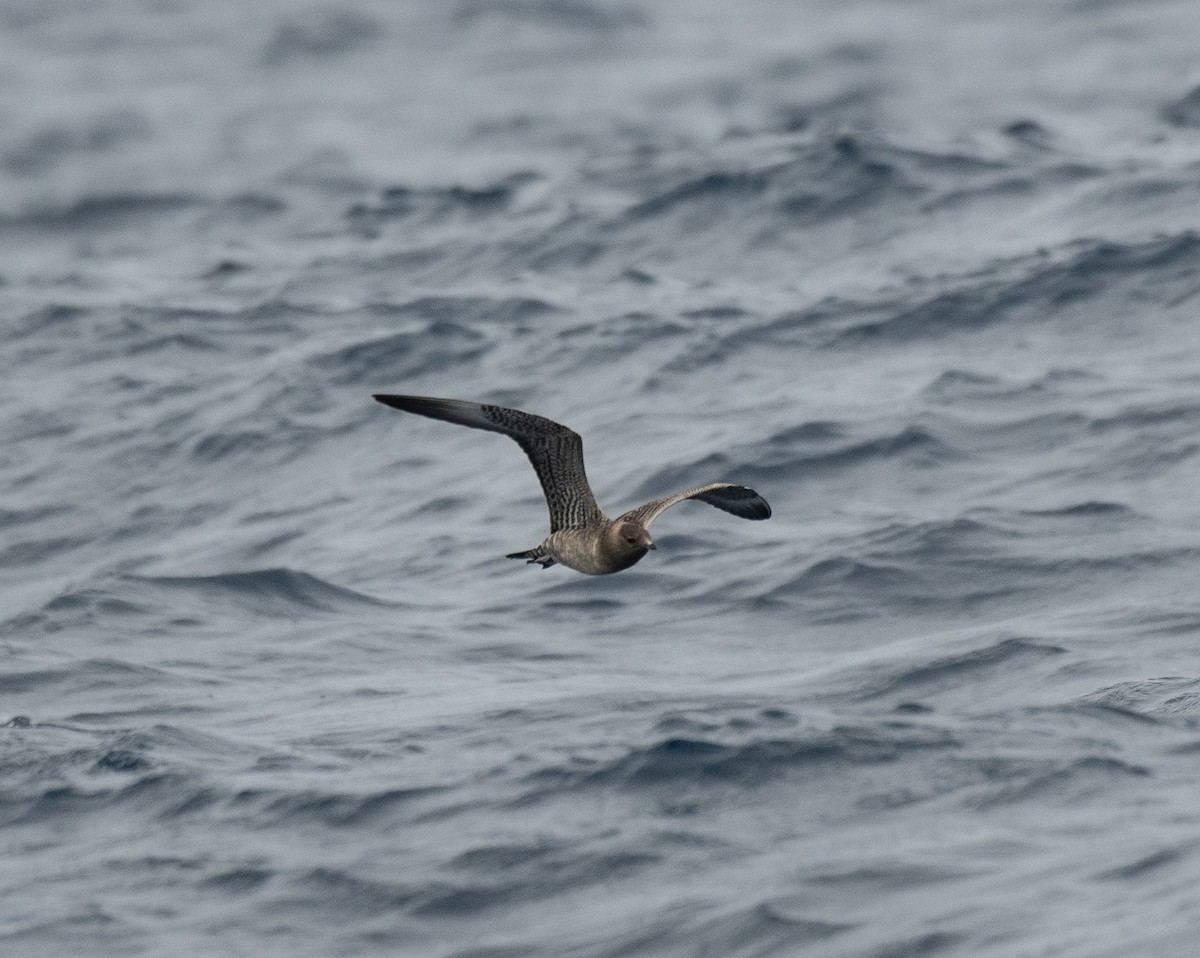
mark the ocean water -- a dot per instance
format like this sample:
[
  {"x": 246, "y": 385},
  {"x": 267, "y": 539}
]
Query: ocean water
[{"x": 925, "y": 274}]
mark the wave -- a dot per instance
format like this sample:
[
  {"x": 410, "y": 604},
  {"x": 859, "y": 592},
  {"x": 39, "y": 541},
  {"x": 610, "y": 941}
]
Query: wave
[
  {"x": 441, "y": 333},
  {"x": 319, "y": 34},
  {"x": 86, "y": 674},
  {"x": 290, "y": 808},
  {"x": 262, "y": 591},
  {"x": 676, "y": 762},
  {"x": 102, "y": 211},
  {"x": 1045, "y": 288},
  {"x": 1040, "y": 291},
  {"x": 908, "y": 680},
  {"x": 577, "y": 15},
  {"x": 436, "y": 204},
  {"x": 958, "y": 386},
  {"x": 813, "y": 448},
  {"x": 1185, "y": 111},
  {"x": 399, "y": 357},
  {"x": 824, "y": 179},
  {"x": 152, "y": 603},
  {"x": 1156, "y": 698},
  {"x": 149, "y": 793},
  {"x": 1051, "y": 782},
  {"x": 505, "y": 876}
]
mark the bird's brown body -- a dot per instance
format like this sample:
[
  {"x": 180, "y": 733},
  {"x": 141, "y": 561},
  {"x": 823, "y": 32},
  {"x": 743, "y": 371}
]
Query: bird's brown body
[{"x": 597, "y": 549}]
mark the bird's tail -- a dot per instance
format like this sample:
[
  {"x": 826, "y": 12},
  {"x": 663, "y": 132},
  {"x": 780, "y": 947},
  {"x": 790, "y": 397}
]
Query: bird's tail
[{"x": 533, "y": 555}]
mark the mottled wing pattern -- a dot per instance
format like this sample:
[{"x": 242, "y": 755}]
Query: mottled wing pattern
[
  {"x": 555, "y": 451},
  {"x": 742, "y": 502}
]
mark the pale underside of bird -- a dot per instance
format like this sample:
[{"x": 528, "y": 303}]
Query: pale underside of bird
[{"x": 581, "y": 536}]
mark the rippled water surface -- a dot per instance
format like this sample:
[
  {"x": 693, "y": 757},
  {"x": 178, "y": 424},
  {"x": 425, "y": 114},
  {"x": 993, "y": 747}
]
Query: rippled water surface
[{"x": 924, "y": 274}]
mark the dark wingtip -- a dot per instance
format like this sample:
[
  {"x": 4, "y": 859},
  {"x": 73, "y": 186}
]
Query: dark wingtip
[
  {"x": 756, "y": 507},
  {"x": 757, "y": 511},
  {"x": 389, "y": 400}
]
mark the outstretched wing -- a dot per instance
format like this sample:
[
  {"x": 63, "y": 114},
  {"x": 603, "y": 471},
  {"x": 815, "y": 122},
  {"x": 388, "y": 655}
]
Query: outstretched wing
[
  {"x": 555, "y": 451},
  {"x": 742, "y": 502}
]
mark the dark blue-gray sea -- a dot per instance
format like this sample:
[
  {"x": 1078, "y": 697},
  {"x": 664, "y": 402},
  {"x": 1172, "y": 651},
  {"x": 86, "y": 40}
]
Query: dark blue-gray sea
[{"x": 926, "y": 274}]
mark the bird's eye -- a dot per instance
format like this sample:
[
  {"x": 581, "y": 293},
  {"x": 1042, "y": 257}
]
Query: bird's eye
[{"x": 630, "y": 539}]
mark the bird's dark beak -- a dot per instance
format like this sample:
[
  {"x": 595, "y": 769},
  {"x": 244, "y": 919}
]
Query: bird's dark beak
[{"x": 651, "y": 545}]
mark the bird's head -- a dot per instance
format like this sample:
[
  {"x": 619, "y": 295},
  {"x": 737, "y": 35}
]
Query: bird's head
[{"x": 629, "y": 539}]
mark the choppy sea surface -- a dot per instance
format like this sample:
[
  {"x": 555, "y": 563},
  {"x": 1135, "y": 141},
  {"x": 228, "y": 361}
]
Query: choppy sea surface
[{"x": 925, "y": 274}]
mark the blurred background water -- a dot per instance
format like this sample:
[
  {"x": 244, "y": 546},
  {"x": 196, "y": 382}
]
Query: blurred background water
[{"x": 923, "y": 273}]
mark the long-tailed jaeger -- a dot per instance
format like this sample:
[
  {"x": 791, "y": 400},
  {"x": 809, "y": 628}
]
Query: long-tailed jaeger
[{"x": 581, "y": 536}]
